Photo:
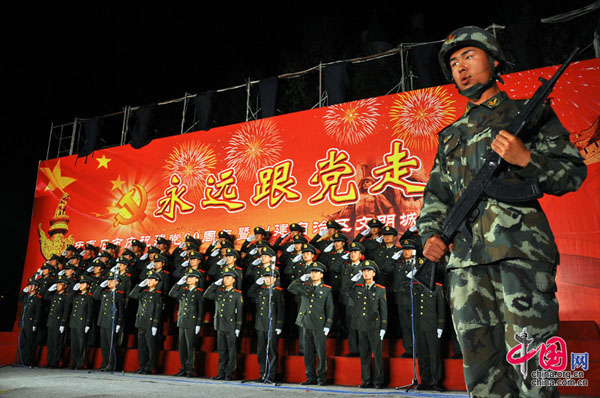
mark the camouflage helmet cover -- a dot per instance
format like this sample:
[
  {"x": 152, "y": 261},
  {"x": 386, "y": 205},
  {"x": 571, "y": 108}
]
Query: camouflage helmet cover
[{"x": 465, "y": 37}]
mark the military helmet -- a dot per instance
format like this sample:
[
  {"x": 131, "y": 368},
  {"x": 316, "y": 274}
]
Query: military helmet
[{"x": 465, "y": 37}]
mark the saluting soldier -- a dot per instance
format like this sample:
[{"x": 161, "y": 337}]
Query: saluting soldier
[
  {"x": 228, "y": 321},
  {"x": 370, "y": 318},
  {"x": 110, "y": 318},
  {"x": 256, "y": 269},
  {"x": 285, "y": 243},
  {"x": 399, "y": 265},
  {"x": 315, "y": 317},
  {"x": 270, "y": 314},
  {"x": 371, "y": 237},
  {"x": 88, "y": 254},
  {"x": 349, "y": 267},
  {"x": 189, "y": 319},
  {"x": 148, "y": 320},
  {"x": 259, "y": 234},
  {"x": 229, "y": 261},
  {"x": 321, "y": 240},
  {"x": 81, "y": 320},
  {"x": 30, "y": 320},
  {"x": 58, "y": 315},
  {"x": 194, "y": 261}
]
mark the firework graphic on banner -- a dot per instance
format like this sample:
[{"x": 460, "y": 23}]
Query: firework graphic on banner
[
  {"x": 419, "y": 115},
  {"x": 192, "y": 162},
  {"x": 253, "y": 146},
  {"x": 351, "y": 122}
]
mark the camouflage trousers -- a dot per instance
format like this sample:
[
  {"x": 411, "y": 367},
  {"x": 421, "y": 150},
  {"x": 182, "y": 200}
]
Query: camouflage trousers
[{"x": 490, "y": 304}]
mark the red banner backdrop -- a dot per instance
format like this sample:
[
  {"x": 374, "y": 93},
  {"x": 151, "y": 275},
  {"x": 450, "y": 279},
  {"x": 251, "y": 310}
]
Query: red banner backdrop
[{"x": 349, "y": 162}]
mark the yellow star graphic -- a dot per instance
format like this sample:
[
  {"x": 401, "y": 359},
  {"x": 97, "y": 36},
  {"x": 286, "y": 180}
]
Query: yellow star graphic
[
  {"x": 55, "y": 178},
  {"x": 117, "y": 184},
  {"x": 103, "y": 162}
]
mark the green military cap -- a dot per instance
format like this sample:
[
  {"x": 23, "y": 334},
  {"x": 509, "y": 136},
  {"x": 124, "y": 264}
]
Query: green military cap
[
  {"x": 259, "y": 230},
  {"x": 226, "y": 244},
  {"x": 192, "y": 272},
  {"x": 410, "y": 240},
  {"x": 138, "y": 243},
  {"x": 84, "y": 279},
  {"x": 375, "y": 223},
  {"x": 230, "y": 272},
  {"x": 128, "y": 252},
  {"x": 112, "y": 275},
  {"x": 61, "y": 279},
  {"x": 161, "y": 258},
  {"x": 161, "y": 240},
  {"x": 299, "y": 239},
  {"x": 104, "y": 253},
  {"x": 71, "y": 248},
  {"x": 190, "y": 239},
  {"x": 75, "y": 255},
  {"x": 153, "y": 249},
  {"x": 296, "y": 227},
  {"x": 269, "y": 270},
  {"x": 69, "y": 266},
  {"x": 317, "y": 266},
  {"x": 89, "y": 246},
  {"x": 307, "y": 247},
  {"x": 334, "y": 224},
  {"x": 110, "y": 245},
  {"x": 195, "y": 254},
  {"x": 355, "y": 246},
  {"x": 47, "y": 266},
  {"x": 98, "y": 263},
  {"x": 223, "y": 234},
  {"x": 369, "y": 264},
  {"x": 122, "y": 260},
  {"x": 266, "y": 250},
  {"x": 33, "y": 281},
  {"x": 232, "y": 252},
  {"x": 262, "y": 243},
  {"x": 154, "y": 275},
  {"x": 55, "y": 257},
  {"x": 387, "y": 230},
  {"x": 191, "y": 246},
  {"x": 339, "y": 238}
]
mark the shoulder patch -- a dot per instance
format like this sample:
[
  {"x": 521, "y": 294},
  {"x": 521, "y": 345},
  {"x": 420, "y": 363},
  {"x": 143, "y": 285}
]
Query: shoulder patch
[
  {"x": 236, "y": 290},
  {"x": 327, "y": 286},
  {"x": 380, "y": 286}
]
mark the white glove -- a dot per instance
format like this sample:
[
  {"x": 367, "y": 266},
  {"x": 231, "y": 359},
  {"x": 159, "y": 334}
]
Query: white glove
[
  {"x": 250, "y": 238},
  {"x": 182, "y": 280},
  {"x": 90, "y": 269},
  {"x": 115, "y": 269},
  {"x": 439, "y": 333},
  {"x": 237, "y": 332},
  {"x": 183, "y": 253},
  {"x": 397, "y": 255},
  {"x": 197, "y": 329},
  {"x": 63, "y": 253},
  {"x": 61, "y": 272},
  {"x": 326, "y": 331},
  {"x": 381, "y": 334},
  {"x": 104, "y": 284},
  {"x": 366, "y": 231},
  {"x": 87, "y": 329},
  {"x": 297, "y": 258},
  {"x": 328, "y": 248},
  {"x": 305, "y": 277},
  {"x": 117, "y": 328},
  {"x": 346, "y": 256},
  {"x": 219, "y": 282},
  {"x": 260, "y": 280},
  {"x": 76, "y": 286},
  {"x": 143, "y": 283},
  {"x": 253, "y": 251},
  {"x": 214, "y": 253},
  {"x": 221, "y": 262},
  {"x": 82, "y": 253},
  {"x": 356, "y": 277},
  {"x": 256, "y": 262},
  {"x": 380, "y": 239},
  {"x": 185, "y": 263},
  {"x": 284, "y": 236},
  {"x": 26, "y": 290},
  {"x": 52, "y": 288},
  {"x": 214, "y": 243},
  {"x": 181, "y": 246},
  {"x": 150, "y": 265},
  {"x": 278, "y": 331},
  {"x": 410, "y": 274},
  {"x": 34, "y": 328},
  {"x": 290, "y": 248},
  {"x": 39, "y": 271},
  {"x": 61, "y": 329},
  {"x": 323, "y": 232},
  {"x": 144, "y": 256},
  {"x": 154, "y": 330}
]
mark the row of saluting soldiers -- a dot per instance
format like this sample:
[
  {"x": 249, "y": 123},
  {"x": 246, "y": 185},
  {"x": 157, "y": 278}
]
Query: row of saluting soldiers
[{"x": 337, "y": 286}]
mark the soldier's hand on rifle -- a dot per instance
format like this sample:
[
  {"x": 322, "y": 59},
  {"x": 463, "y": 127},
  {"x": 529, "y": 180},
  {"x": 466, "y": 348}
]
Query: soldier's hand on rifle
[
  {"x": 511, "y": 149},
  {"x": 435, "y": 248}
]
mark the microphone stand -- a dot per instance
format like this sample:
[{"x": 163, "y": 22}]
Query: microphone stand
[{"x": 415, "y": 381}]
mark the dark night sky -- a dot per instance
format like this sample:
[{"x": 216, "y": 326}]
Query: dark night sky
[{"x": 63, "y": 59}]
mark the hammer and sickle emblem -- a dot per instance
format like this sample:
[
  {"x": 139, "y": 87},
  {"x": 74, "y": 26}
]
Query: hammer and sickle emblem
[{"x": 132, "y": 204}]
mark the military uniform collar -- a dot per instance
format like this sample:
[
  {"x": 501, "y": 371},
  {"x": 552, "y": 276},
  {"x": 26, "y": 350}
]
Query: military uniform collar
[{"x": 491, "y": 103}]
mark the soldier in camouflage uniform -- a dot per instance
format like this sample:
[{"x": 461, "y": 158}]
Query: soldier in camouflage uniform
[{"x": 502, "y": 278}]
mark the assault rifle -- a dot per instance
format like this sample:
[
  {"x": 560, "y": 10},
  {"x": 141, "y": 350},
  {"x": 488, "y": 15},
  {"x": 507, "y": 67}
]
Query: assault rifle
[{"x": 486, "y": 184}]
